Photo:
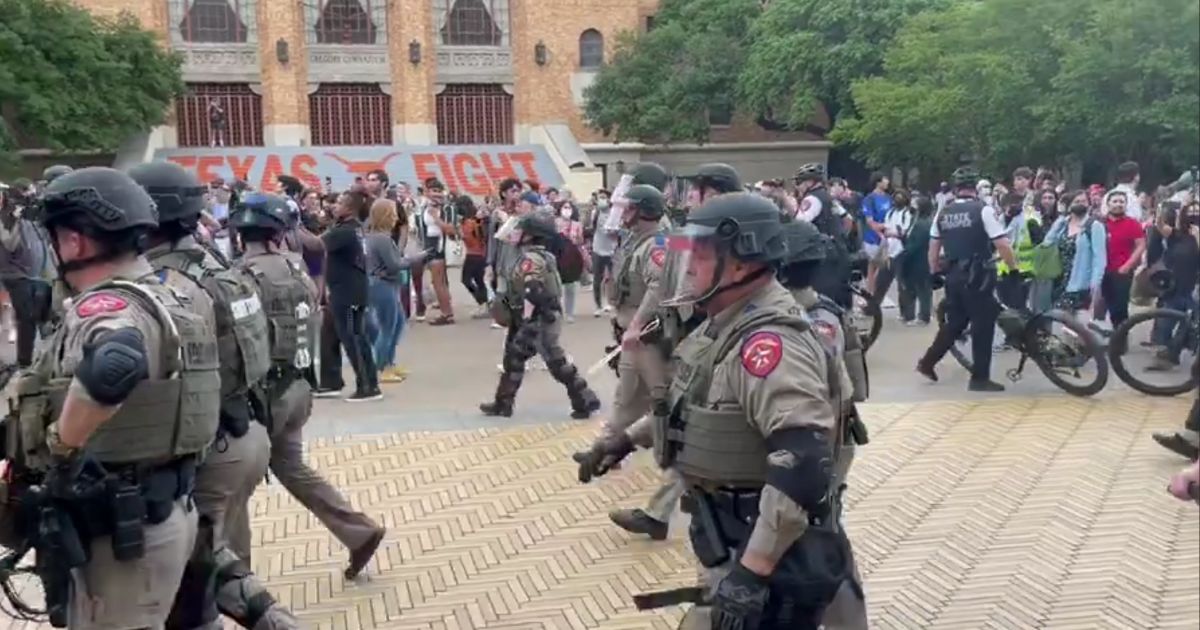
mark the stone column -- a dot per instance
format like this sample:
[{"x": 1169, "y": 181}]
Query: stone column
[
  {"x": 413, "y": 100},
  {"x": 284, "y": 85}
]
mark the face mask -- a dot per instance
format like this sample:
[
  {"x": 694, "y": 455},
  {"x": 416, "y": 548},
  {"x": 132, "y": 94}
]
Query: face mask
[
  {"x": 602, "y": 204},
  {"x": 565, "y": 213},
  {"x": 1079, "y": 210}
]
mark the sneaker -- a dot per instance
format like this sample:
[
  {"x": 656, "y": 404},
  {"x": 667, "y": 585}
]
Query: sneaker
[
  {"x": 367, "y": 396},
  {"x": 887, "y": 303},
  {"x": 389, "y": 375},
  {"x": 496, "y": 326},
  {"x": 443, "y": 320},
  {"x": 481, "y": 313},
  {"x": 400, "y": 371},
  {"x": 911, "y": 323},
  {"x": 327, "y": 392},
  {"x": 570, "y": 319},
  {"x": 598, "y": 313},
  {"x": 420, "y": 317}
]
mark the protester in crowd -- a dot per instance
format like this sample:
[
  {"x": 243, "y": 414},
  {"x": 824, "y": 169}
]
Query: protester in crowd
[
  {"x": 895, "y": 226},
  {"x": 1175, "y": 244},
  {"x": 984, "y": 190},
  {"x": 25, "y": 269},
  {"x": 567, "y": 222},
  {"x": 604, "y": 245},
  {"x": 346, "y": 300},
  {"x": 1095, "y": 194},
  {"x": 1128, "y": 178},
  {"x": 875, "y": 209},
  {"x": 1126, "y": 244},
  {"x": 912, "y": 266},
  {"x": 472, "y": 229},
  {"x": 1082, "y": 244},
  {"x": 436, "y": 229},
  {"x": 384, "y": 267}
]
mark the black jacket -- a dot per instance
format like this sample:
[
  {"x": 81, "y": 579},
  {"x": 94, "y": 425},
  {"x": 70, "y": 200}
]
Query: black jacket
[{"x": 345, "y": 263}]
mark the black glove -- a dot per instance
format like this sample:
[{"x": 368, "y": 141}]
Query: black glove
[
  {"x": 614, "y": 362},
  {"x": 740, "y": 600},
  {"x": 604, "y": 454}
]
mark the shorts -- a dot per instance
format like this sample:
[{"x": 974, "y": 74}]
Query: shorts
[{"x": 872, "y": 251}]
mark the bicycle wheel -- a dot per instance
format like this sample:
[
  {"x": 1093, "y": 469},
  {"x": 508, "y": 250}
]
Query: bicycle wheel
[
  {"x": 1067, "y": 352},
  {"x": 866, "y": 315},
  {"x": 1147, "y": 365},
  {"x": 961, "y": 349}
]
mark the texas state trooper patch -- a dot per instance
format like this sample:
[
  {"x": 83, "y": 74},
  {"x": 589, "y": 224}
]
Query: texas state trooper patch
[
  {"x": 100, "y": 303},
  {"x": 825, "y": 329},
  {"x": 658, "y": 256},
  {"x": 527, "y": 266},
  {"x": 761, "y": 353}
]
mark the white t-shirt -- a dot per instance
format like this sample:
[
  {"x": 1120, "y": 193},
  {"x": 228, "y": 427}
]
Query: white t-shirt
[{"x": 1133, "y": 207}]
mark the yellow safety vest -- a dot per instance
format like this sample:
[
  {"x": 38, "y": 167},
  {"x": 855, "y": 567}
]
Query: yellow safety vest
[{"x": 1023, "y": 247}]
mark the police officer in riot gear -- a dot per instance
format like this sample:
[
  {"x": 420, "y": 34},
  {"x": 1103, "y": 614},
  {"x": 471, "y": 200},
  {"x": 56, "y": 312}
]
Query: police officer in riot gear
[
  {"x": 711, "y": 180},
  {"x": 289, "y": 302},
  {"x": 52, "y": 173},
  {"x": 130, "y": 382},
  {"x": 753, "y": 429},
  {"x": 650, "y": 174},
  {"x": 803, "y": 264},
  {"x": 967, "y": 231},
  {"x": 818, "y": 207},
  {"x": 238, "y": 460},
  {"x": 531, "y": 307}
]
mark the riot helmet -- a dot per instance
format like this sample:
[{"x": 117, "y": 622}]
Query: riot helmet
[
  {"x": 645, "y": 203},
  {"x": 728, "y": 229},
  {"x": 261, "y": 217},
  {"x": 537, "y": 227},
  {"x": 54, "y": 172},
  {"x": 102, "y": 204},
  {"x": 176, "y": 192},
  {"x": 806, "y": 250},
  {"x": 719, "y": 177},
  {"x": 650, "y": 174}
]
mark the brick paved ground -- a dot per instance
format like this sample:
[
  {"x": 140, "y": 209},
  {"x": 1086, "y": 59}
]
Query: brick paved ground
[{"x": 1042, "y": 513}]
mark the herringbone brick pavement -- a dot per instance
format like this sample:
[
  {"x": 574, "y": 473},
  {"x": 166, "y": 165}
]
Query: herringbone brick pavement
[{"x": 1042, "y": 513}]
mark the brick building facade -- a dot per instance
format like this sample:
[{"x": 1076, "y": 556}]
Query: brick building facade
[{"x": 414, "y": 72}]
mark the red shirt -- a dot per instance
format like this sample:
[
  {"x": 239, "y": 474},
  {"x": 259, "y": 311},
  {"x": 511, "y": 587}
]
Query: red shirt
[{"x": 1123, "y": 234}]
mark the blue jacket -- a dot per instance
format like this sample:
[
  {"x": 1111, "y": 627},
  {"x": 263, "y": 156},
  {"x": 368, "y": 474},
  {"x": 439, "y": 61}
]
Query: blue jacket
[{"x": 1091, "y": 254}]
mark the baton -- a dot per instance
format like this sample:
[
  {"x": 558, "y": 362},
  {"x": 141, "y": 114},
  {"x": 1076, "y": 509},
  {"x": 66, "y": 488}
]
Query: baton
[
  {"x": 654, "y": 325},
  {"x": 671, "y": 597}
]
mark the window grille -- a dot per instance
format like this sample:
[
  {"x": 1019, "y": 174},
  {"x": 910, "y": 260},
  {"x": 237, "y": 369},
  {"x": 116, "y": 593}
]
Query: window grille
[
  {"x": 474, "y": 114},
  {"x": 342, "y": 114}
]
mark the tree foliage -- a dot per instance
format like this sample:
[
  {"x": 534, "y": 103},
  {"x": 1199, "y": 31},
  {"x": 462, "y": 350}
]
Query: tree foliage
[
  {"x": 73, "y": 81},
  {"x": 660, "y": 85},
  {"x": 804, "y": 53},
  {"x": 1006, "y": 82}
]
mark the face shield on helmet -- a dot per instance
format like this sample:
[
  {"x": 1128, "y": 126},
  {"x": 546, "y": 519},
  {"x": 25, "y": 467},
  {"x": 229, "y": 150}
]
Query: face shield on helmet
[
  {"x": 698, "y": 255},
  {"x": 509, "y": 232}
]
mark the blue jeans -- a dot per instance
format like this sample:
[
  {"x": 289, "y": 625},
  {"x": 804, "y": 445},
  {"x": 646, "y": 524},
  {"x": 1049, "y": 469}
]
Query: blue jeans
[
  {"x": 1164, "y": 328},
  {"x": 386, "y": 321}
]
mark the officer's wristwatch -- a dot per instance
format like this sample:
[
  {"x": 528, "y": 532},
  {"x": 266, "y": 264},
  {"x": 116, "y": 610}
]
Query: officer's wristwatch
[{"x": 55, "y": 444}]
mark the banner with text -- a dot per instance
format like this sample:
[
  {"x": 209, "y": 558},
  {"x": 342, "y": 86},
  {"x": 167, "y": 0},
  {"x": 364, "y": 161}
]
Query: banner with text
[{"x": 472, "y": 169}]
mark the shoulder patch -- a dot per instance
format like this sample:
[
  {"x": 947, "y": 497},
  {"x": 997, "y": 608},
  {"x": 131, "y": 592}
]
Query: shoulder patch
[
  {"x": 825, "y": 329},
  {"x": 761, "y": 353},
  {"x": 98, "y": 303},
  {"x": 527, "y": 266},
  {"x": 658, "y": 256}
]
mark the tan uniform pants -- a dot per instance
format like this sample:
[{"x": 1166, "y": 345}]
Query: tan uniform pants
[
  {"x": 643, "y": 378},
  {"x": 233, "y": 469},
  {"x": 111, "y": 595},
  {"x": 291, "y": 411}
]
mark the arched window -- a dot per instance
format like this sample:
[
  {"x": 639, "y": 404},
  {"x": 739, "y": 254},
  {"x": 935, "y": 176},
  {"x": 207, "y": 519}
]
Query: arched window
[
  {"x": 470, "y": 23},
  {"x": 212, "y": 21},
  {"x": 591, "y": 49},
  {"x": 349, "y": 22}
]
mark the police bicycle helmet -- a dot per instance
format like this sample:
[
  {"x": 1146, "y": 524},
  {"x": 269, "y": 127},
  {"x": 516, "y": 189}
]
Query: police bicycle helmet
[
  {"x": 965, "y": 177},
  {"x": 810, "y": 171}
]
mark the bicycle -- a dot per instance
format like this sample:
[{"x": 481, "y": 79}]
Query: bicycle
[
  {"x": 1138, "y": 359},
  {"x": 1057, "y": 354}
]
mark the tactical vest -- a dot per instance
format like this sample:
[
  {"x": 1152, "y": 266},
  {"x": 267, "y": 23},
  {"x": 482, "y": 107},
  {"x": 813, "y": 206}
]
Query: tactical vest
[
  {"x": 242, "y": 335},
  {"x": 719, "y": 446},
  {"x": 854, "y": 356},
  {"x": 549, "y": 277},
  {"x": 826, "y": 222},
  {"x": 162, "y": 419},
  {"x": 285, "y": 289},
  {"x": 627, "y": 290},
  {"x": 961, "y": 231}
]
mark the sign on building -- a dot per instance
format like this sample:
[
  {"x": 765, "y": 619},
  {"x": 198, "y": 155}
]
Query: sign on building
[{"x": 473, "y": 169}]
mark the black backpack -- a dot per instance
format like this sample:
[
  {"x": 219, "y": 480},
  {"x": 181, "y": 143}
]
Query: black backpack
[{"x": 569, "y": 260}]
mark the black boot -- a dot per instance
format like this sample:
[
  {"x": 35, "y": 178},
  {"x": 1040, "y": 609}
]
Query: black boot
[
  {"x": 584, "y": 404},
  {"x": 497, "y": 408}
]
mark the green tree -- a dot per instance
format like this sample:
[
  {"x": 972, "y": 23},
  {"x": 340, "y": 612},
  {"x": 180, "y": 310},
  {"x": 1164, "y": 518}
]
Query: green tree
[
  {"x": 805, "y": 53},
  {"x": 1007, "y": 82},
  {"x": 73, "y": 81},
  {"x": 660, "y": 85}
]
